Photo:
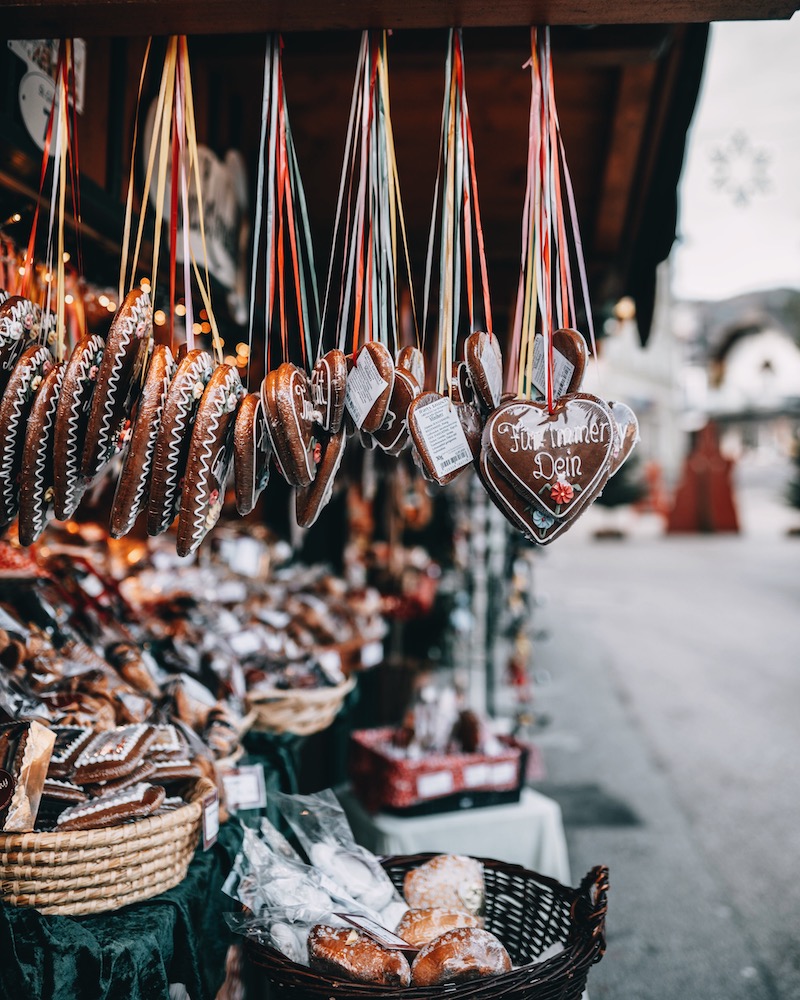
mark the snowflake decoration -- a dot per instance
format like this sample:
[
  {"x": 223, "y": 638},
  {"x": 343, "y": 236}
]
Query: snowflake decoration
[{"x": 740, "y": 169}]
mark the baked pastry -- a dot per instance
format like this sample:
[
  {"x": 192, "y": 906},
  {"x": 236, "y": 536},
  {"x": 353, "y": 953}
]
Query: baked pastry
[
  {"x": 420, "y": 927},
  {"x": 370, "y": 381},
  {"x": 413, "y": 361},
  {"x": 251, "y": 452},
  {"x": 112, "y": 754},
  {"x": 328, "y": 389},
  {"x": 458, "y": 956},
  {"x": 130, "y": 496},
  {"x": 484, "y": 361},
  {"x": 351, "y": 954},
  {"x": 19, "y": 327},
  {"x": 209, "y": 459},
  {"x": 135, "y": 802},
  {"x": 290, "y": 414},
  {"x": 446, "y": 436},
  {"x": 393, "y": 435},
  {"x": 72, "y": 415},
  {"x": 69, "y": 741},
  {"x": 447, "y": 882},
  {"x": 25, "y": 749},
  {"x": 36, "y": 479},
  {"x": 570, "y": 357},
  {"x": 309, "y": 500},
  {"x": 118, "y": 381}
]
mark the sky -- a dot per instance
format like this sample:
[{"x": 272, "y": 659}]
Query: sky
[{"x": 739, "y": 197}]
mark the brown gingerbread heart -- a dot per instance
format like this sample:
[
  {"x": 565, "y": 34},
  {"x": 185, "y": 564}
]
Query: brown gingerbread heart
[
  {"x": 72, "y": 415},
  {"x": 369, "y": 386},
  {"x": 209, "y": 459},
  {"x": 393, "y": 436},
  {"x": 627, "y": 434},
  {"x": 558, "y": 460},
  {"x": 438, "y": 431},
  {"x": 118, "y": 380},
  {"x": 251, "y": 452},
  {"x": 413, "y": 360},
  {"x": 570, "y": 357},
  {"x": 15, "y": 408},
  {"x": 130, "y": 496},
  {"x": 19, "y": 327},
  {"x": 484, "y": 361},
  {"x": 286, "y": 395},
  {"x": 174, "y": 436},
  {"x": 328, "y": 388},
  {"x": 309, "y": 500},
  {"x": 36, "y": 481}
]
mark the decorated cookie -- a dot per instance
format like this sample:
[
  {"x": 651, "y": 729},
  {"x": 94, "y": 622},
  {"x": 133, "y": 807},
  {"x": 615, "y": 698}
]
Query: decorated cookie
[
  {"x": 461, "y": 384},
  {"x": 111, "y": 754},
  {"x": 251, "y": 452},
  {"x": 130, "y": 497},
  {"x": 19, "y": 327},
  {"x": 328, "y": 388},
  {"x": 412, "y": 360},
  {"x": 393, "y": 435},
  {"x": 36, "y": 481},
  {"x": 72, "y": 415},
  {"x": 118, "y": 381},
  {"x": 209, "y": 459},
  {"x": 112, "y": 809},
  {"x": 570, "y": 357},
  {"x": 309, "y": 500},
  {"x": 369, "y": 386},
  {"x": 484, "y": 361},
  {"x": 173, "y": 439},
  {"x": 627, "y": 435},
  {"x": 560, "y": 461},
  {"x": 15, "y": 409},
  {"x": 286, "y": 395},
  {"x": 70, "y": 741},
  {"x": 437, "y": 429}
]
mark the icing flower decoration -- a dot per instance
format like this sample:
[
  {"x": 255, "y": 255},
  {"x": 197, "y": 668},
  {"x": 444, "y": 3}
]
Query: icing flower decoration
[
  {"x": 93, "y": 373},
  {"x": 141, "y": 329},
  {"x": 231, "y": 401},
  {"x": 14, "y": 329},
  {"x": 317, "y": 453},
  {"x": 213, "y": 513},
  {"x": 27, "y": 321},
  {"x": 213, "y": 497},
  {"x": 35, "y": 383},
  {"x": 49, "y": 494},
  {"x": 197, "y": 390},
  {"x": 542, "y": 520},
  {"x": 46, "y": 367},
  {"x": 562, "y": 493}
]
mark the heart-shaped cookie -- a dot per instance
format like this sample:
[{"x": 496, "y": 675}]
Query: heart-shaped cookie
[
  {"x": 413, "y": 360},
  {"x": 484, "y": 361},
  {"x": 174, "y": 436},
  {"x": 118, "y": 381},
  {"x": 36, "y": 481},
  {"x": 310, "y": 500},
  {"x": 130, "y": 496},
  {"x": 72, "y": 415},
  {"x": 209, "y": 459},
  {"x": 328, "y": 389},
  {"x": 369, "y": 386},
  {"x": 393, "y": 435},
  {"x": 627, "y": 434},
  {"x": 251, "y": 453},
  {"x": 438, "y": 430},
  {"x": 570, "y": 357},
  {"x": 286, "y": 395},
  {"x": 558, "y": 460},
  {"x": 15, "y": 409},
  {"x": 19, "y": 326},
  {"x": 461, "y": 384}
]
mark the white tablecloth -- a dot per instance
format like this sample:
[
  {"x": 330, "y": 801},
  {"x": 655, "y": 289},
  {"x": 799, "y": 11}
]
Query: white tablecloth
[{"x": 528, "y": 833}]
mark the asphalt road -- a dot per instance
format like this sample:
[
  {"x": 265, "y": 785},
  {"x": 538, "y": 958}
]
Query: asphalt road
[{"x": 668, "y": 685}]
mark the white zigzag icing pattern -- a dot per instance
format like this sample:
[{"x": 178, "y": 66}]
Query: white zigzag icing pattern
[
  {"x": 40, "y": 486},
  {"x": 80, "y": 401},
  {"x": 9, "y": 488}
]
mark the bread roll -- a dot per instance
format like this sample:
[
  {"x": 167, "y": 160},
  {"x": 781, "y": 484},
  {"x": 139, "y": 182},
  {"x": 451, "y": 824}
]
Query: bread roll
[
  {"x": 447, "y": 882},
  {"x": 339, "y": 951},
  {"x": 420, "y": 927},
  {"x": 458, "y": 956}
]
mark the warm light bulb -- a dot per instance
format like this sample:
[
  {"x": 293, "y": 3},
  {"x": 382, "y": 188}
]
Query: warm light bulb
[
  {"x": 243, "y": 349},
  {"x": 205, "y": 327},
  {"x": 196, "y": 329},
  {"x": 180, "y": 309},
  {"x": 112, "y": 306},
  {"x": 160, "y": 317},
  {"x": 230, "y": 360},
  {"x": 66, "y": 256},
  {"x": 69, "y": 299},
  {"x": 103, "y": 300}
]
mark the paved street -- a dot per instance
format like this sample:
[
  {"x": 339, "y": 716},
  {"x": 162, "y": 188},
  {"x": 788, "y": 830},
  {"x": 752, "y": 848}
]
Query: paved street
[{"x": 669, "y": 684}]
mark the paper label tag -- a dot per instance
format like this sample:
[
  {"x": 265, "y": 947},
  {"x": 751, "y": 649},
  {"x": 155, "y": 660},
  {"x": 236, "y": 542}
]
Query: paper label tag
[
  {"x": 504, "y": 773},
  {"x": 245, "y": 788},
  {"x": 476, "y": 775},
  {"x": 371, "y": 654},
  {"x": 493, "y": 373},
  {"x": 562, "y": 369},
  {"x": 210, "y": 819},
  {"x": 444, "y": 437},
  {"x": 364, "y": 385},
  {"x": 378, "y": 933},
  {"x": 431, "y": 785}
]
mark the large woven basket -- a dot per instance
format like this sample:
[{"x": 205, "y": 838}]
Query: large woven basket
[
  {"x": 526, "y": 911},
  {"x": 91, "y": 871},
  {"x": 301, "y": 711}
]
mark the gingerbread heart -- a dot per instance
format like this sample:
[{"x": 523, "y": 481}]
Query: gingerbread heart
[
  {"x": 286, "y": 395},
  {"x": 130, "y": 496},
  {"x": 19, "y": 326},
  {"x": 15, "y": 409},
  {"x": 413, "y": 360},
  {"x": 484, "y": 361},
  {"x": 328, "y": 389},
  {"x": 437, "y": 428},
  {"x": 174, "y": 437},
  {"x": 558, "y": 460},
  {"x": 72, "y": 415},
  {"x": 251, "y": 452},
  {"x": 209, "y": 459},
  {"x": 309, "y": 500},
  {"x": 369, "y": 386},
  {"x": 461, "y": 384},
  {"x": 570, "y": 357},
  {"x": 118, "y": 381},
  {"x": 627, "y": 435},
  {"x": 393, "y": 436},
  {"x": 36, "y": 481}
]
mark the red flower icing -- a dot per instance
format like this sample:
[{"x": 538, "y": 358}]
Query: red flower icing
[
  {"x": 562, "y": 493},
  {"x": 213, "y": 497}
]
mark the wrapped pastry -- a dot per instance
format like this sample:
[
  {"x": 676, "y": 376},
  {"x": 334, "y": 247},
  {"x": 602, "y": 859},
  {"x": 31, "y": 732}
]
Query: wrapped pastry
[
  {"x": 115, "y": 807},
  {"x": 25, "y": 749},
  {"x": 458, "y": 956},
  {"x": 351, "y": 954},
  {"x": 112, "y": 754},
  {"x": 449, "y": 882}
]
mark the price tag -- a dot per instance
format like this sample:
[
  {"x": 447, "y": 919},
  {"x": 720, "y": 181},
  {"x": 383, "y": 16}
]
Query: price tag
[
  {"x": 476, "y": 775},
  {"x": 210, "y": 819},
  {"x": 364, "y": 385},
  {"x": 244, "y": 787},
  {"x": 504, "y": 773},
  {"x": 443, "y": 435},
  {"x": 562, "y": 369},
  {"x": 378, "y": 933},
  {"x": 429, "y": 786},
  {"x": 371, "y": 654}
]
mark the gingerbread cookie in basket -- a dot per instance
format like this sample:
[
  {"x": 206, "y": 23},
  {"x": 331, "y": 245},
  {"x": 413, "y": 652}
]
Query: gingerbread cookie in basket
[{"x": 37, "y": 477}]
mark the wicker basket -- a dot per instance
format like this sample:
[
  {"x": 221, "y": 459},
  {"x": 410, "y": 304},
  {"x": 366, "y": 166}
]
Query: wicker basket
[
  {"x": 526, "y": 911},
  {"x": 91, "y": 871},
  {"x": 301, "y": 711}
]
